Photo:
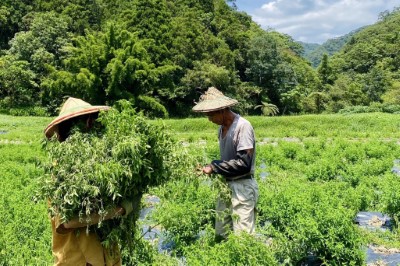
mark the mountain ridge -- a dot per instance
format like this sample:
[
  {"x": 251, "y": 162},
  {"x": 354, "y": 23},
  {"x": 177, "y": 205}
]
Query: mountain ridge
[{"x": 313, "y": 52}]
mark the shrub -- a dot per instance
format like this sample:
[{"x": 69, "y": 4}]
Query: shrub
[
  {"x": 151, "y": 107},
  {"x": 26, "y": 111},
  {"x": 304, "y": 219},
  {"x": 90, "y": 173},
  {"x": 240, "y": 249}
]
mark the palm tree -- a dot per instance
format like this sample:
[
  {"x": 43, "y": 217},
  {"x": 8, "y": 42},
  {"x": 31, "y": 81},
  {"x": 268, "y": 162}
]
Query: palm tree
[{"x": 268, "y": 108}]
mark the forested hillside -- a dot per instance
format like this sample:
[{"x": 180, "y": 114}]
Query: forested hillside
[
  {"x": 160, "y": 53},
  {"x": 314, "y": 52},
  {"x": 367, "y": 70}
]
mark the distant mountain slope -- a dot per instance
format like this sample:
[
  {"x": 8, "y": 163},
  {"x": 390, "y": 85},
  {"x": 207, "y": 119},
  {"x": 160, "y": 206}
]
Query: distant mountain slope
[
  {"x": 374, "y": 46},
  {"x": 313, "y": 52},
  {"x": 366, "y": 70},
  {"x": 309, "y": 47}
]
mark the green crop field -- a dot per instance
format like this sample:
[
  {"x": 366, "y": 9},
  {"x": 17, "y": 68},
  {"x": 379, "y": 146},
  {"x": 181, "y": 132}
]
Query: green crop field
[{"x": 315, "y": 173}]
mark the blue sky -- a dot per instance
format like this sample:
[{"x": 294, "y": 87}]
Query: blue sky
[{"x": 315, "y": 21}]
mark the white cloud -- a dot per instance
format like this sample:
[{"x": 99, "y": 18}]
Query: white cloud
[
  {"x": 270, "y": 7},
  {"x": 317, "y": 20}
]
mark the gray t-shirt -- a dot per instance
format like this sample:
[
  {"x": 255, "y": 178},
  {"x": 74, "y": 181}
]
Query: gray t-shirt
[{"x": 240, "y": 136}]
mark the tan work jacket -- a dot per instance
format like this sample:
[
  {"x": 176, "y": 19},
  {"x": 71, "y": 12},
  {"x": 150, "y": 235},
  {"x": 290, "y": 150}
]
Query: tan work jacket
[{"x": 74, "y": 248}]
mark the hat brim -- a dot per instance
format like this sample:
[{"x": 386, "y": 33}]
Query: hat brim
[
  {"x": 207, "y": 106},
  {"x": 53, "y": 126}
]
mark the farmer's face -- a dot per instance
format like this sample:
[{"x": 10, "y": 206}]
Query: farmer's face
[
  {"x": 216, "y": 116},
  {"x": 84, "y": 124}
]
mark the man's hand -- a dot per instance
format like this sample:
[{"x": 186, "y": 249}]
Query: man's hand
[
  {"x": 198, "y": 169},
  {"x": 94, "y": 218},
  {"x": 208, "y": 169}
]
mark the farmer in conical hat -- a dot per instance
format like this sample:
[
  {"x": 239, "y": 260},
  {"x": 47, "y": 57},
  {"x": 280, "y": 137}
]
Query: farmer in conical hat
[
  {"x": 73, "y": 111},
  {"x": 237, "y": 150},
  {"x": 71, "y": 243}
]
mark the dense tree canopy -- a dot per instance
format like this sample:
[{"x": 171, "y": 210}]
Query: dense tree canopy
[{"x": 159, "y": 53}]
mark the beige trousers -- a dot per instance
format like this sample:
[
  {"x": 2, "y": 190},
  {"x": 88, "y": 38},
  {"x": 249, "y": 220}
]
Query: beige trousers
[{"x": 238, "y": 214}]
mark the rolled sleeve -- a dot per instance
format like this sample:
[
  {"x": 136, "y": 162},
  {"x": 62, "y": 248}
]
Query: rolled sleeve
[{"x": 128, "y": 207}]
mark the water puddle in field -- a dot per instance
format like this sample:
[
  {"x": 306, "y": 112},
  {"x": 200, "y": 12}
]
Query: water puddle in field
[
  {"x": 373, "y": 221},
  {"x": 310, "y": 260},
  {"x": 151, "y": 232},
  {"x": 378, "y": 255},
  {"x": 264, "y": 173},
  {"x": 396, "y": 167}
]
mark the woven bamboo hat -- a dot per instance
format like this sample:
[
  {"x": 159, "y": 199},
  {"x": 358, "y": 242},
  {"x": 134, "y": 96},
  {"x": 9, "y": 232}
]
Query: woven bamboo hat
[
  {"x": 72, "y": 107},
  {"x": 213, "y": 100}
]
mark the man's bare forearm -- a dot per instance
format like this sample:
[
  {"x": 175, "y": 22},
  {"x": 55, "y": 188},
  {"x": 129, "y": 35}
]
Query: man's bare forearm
[{"x": 92, "y": 219}]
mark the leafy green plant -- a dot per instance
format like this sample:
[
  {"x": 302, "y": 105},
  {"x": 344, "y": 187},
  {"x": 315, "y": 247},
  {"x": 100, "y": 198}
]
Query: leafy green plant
[
  {"x": 242, "y": 249},
  {"x": 151, "y": 107},
  {"x": 304, "y": 219},
  {"x": 90, "y": 173},
  {"x": 186, "y": 208},
  {"x": 268, "y": 108}
]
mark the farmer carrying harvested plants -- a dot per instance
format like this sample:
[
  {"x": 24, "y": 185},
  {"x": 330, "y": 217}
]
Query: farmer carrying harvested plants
[
  {"x": 74, "y": 242},
  {"x": 237, "y": 150}
]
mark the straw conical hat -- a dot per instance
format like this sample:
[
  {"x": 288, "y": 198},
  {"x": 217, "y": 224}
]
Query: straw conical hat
[
  {"x": 213, "y": 100},
  {"x": 73, "y": 107}
]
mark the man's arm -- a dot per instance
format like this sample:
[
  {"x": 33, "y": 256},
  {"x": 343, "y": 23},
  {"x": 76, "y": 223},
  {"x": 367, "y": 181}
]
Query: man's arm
[
  {"x": 92, "y": 219},
  {"x": 238, "y": 166},
  {"x": 120, "y": 211}
]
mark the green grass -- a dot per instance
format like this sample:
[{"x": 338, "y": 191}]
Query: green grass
[
  {"x": 22, "y": 129},
  {"x": 25, "y": 238},
  {"x": 371, "y": 125}
]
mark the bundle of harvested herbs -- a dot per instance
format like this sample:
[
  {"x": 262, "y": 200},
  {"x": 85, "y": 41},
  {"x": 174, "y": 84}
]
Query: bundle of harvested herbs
[{"x": 95, "y": 172}]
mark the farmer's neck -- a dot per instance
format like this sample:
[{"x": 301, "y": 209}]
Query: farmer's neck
[{"x": 228, "y": 118}]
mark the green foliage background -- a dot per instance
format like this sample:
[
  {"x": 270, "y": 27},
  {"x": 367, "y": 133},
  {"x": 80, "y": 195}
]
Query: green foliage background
[{"x": 157, "y": 53}]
